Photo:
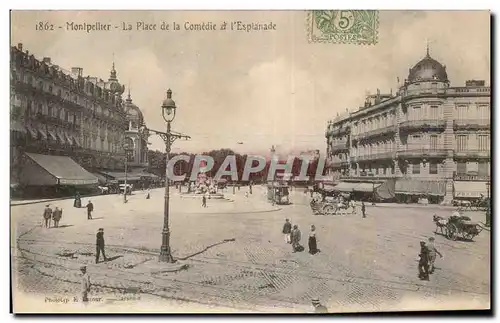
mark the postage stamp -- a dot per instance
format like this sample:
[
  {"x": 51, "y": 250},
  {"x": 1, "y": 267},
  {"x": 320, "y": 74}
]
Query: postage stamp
[{"x": 358, "y": 27}]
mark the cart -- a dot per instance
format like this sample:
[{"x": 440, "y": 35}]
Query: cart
[{"x": 462, "y": 226}]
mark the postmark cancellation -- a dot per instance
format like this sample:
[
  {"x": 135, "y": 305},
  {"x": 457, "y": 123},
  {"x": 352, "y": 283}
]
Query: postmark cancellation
[{"x": 359, "y": 27}]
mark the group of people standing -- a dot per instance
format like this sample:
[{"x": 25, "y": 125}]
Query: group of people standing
[
  {"x": 293, "y": 236},
  {"x": 428, "y": 253},
  {"x": 50, "y": 215}
]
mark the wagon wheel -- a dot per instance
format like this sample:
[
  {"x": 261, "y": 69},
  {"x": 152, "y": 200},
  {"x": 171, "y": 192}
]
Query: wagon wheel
[
  {"x": 468, "y": 235},
  {"x": 328, "y": 209},
  {"x": 451, "y": 232}
]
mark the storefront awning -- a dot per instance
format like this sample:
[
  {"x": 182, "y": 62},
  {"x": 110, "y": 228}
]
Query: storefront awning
[
  {"x": 32, "y": 132},
  {"x": 61, "y": 137},
  {"x": 45, "y": 170},
  {"x": 366, "y": 187},
  {"x": 43, "y": 132},
  {"x": 470, "y": 189},
  {"x": 101, "y": 179},
  {"x": 120, "y": 176},
  {"x": 345, "y": 187},
  {"x": 68, "y": 138},
  {"x": 52, "y": 134},
  {"x": 416, "y": 187}
]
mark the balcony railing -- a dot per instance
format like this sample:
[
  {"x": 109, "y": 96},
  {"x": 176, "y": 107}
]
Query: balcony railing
[
  {"x": 471, "y": 124},
  {"x": 340, "y": 147},
  {"x": 375, "y": 132},
  {"x": 464, "y": 177},
  {"x": 423, "y": 153},
  {"x": 377, "y": 156},
  {"x": 422, "y": 124},
  {"x": 473, "y": 154}
]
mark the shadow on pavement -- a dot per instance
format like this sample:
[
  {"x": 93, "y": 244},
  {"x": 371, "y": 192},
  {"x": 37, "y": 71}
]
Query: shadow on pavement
[
  {"x": 113, "y": 258},
  {"x": 205, "y": 249},
  {"x": 64, "y": 226}
]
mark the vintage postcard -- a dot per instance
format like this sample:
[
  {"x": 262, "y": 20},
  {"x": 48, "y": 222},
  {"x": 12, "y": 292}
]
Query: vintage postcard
[{"x": 323, "y": 161}]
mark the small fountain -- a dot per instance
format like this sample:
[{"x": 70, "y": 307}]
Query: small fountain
[{"x": 204, "y": 186}]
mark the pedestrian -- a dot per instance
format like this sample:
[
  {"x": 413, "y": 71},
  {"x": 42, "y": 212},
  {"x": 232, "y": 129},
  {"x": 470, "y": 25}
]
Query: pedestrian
[
  {"x": 204, "y": 201},
  {"x": 90, "y": 209},
  {"x": 47, "y": 215},
  {"x": 148, "y": 195},
  {"x": 56, "y": 216},
  {"x": 78, "y": 201},
  {"x": 353, "y": 205},
  {"x": 423, "y": 263},
  {"x": 246, "y": 194},
  {"x": 313, "y": 246},
  {"x": 287, "y": 230},
  {"x": 363, "y": 209},
  {"x": 318, "y": 308},
  {"x": 296, "y": 236},
  {"x": 85, "y": 286},
  {"x": 432, "y": 254},
  {"x": 99, "y": 244}
]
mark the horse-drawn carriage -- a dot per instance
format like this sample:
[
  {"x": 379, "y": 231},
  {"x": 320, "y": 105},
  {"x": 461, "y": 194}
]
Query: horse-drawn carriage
[
  {"x": 478, "y": 204},
  {"x": 328, "y": 206},
  {"x": 457, "y": 226}
]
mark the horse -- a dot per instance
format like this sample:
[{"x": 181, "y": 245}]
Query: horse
[{"x": 440, "y": 223}]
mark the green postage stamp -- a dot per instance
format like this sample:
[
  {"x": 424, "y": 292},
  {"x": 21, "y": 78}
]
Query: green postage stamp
[{"x": 343, "y": 26}]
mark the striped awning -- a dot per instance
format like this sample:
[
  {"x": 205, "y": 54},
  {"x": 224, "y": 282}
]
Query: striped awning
[
  {"x": 76, "y": 141},
  {"x": 43, "y": 132},
  {"x": 32, "y": 132},
  {"x": 69, "y": 139},
  {"x": 52, "y": 134},
  {"x": 470, "y": 189},
  {"x": 416, "y": 187},
  {"x": 366, "y": 187},
  {"x": 61, "y": 137}
]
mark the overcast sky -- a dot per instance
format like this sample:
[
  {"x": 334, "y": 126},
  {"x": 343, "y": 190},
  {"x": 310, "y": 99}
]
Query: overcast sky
[{"x": 259, "y": 88}]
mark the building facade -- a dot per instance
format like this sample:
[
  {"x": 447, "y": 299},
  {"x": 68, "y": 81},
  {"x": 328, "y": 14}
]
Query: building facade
[
  {"x": 55, "y": 112},
  {"x": 428, "y": 139}
]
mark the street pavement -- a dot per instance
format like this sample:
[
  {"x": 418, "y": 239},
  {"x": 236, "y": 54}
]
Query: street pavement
[{"x": 232, "y": 256}]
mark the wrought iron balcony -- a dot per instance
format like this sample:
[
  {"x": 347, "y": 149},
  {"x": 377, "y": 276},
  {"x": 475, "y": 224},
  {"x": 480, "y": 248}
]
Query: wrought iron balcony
[
  {"x": 423, "y": 153},
  {"x": 473, "y": 154},
  {"x": 377, "y": 156},
  {"x": 339, "y": 147},
  {"x": 464, "y": 177},
  {"x": 471, "y": 124},
  {"x": 376, "y": 132},
  {"x": 409, "y": 125}
]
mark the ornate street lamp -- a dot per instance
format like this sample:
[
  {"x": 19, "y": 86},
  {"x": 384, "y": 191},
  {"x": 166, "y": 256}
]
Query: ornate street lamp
[
  {"x": 168, "y": 110},
  {"x": 126, "y": 149}
]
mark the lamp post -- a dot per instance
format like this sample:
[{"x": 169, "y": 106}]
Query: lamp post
[
  {"x": 168, "y": 109},
  {"x": 126, "y": 149},
  {"x": 488, "y": 210}
]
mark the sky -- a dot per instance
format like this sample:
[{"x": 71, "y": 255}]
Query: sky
[{"x": 259, "y": 88}]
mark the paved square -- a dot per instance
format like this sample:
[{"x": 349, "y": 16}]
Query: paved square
[{"x": 236, "y": 257}]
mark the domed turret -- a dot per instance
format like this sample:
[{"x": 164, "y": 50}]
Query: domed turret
[
  {"x": 113, "y": 84},
  {"x": 428, "y": 69},
  {"x": 133, "y": 112}
]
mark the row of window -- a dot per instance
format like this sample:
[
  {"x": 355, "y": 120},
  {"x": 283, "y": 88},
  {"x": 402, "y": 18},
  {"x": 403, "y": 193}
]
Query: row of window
[
  {"x": 479, "y": 142},
  {"x": 90, "y": 89}
]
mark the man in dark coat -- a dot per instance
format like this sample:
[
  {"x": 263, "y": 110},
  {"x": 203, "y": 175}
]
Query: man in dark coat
[
  {"x": 99, "y": 244},
  {"x": 363, "y": 209},
  {"x": 90, "y": 209},
  {"x": 47, "y": 215},
  {"x": 287, "y": 230},
  {"x": 423, "y": 263},
  {"x": 204, "y": 201},
  {"x": 56, "y": 216}
]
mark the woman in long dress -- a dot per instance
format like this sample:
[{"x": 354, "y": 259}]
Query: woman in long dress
[{"x": 313, "y": 247}]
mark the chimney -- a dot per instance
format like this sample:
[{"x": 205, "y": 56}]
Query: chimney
[
  {"x": 20, "y": 46},
  {"x": 77, "y": 71},
  {"x": 46, "y": 60}
]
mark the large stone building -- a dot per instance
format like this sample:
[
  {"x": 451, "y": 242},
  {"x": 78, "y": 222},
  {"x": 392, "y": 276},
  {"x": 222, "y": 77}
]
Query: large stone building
[
  {"x": 429, "y": 139},
  {"x": 67, "y": 129}
]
